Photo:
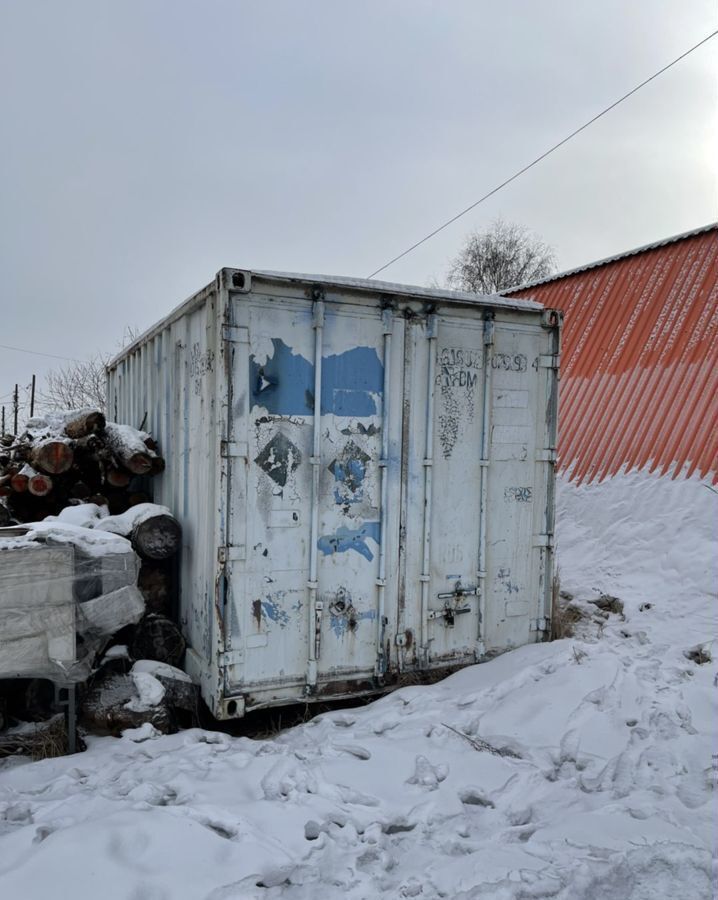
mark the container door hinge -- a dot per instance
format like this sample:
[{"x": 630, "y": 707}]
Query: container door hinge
[
  {"x": 234, "y": 448},
  {"x": 547, "y": 455},
  {"x": 549, "y": 361},
  {"x": 230, "y": 657},
  {"x": 235, "y": 334},
  {"x": 235, "y": 553},
  {"x": 543, "y": 540},
  {"x": 542, "y": 624}
]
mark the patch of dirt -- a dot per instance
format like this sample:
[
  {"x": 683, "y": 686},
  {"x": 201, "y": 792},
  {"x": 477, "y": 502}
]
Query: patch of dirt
[{"x": 609, "y": 604}]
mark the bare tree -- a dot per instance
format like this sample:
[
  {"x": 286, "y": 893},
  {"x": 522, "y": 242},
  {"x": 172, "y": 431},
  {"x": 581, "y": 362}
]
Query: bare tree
[
  {"x": 81, "y": 384},
  {"x": 76, "y": 385},
  {"x": 502, "y": 256}
]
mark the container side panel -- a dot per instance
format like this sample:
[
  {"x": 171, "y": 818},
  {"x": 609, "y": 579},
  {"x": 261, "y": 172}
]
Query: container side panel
[{"x": 167, "y": 385}]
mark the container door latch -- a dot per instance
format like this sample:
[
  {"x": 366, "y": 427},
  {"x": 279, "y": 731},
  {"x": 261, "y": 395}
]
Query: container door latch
[{"x": 454, "y": 604}]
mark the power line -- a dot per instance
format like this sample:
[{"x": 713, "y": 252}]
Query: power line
[
  {"x": 543, "y": 155},
  {"x": 38, "y": 353}
]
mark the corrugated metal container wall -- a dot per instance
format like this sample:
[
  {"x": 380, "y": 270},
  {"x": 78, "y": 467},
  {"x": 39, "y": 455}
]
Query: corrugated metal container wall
[
  {"x": 364, "y": 475},
  {"x": 639, "y": 372}
]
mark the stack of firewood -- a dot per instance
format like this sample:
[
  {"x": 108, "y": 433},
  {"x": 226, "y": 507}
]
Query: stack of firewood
[{"x": 65, "y": 459}]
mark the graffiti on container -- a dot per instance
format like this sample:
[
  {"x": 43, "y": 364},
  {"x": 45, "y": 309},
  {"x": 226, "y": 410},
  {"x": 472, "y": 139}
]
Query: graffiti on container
[
  {"x": 360, "y": 428},
  {"x": 279, "y": 459},
  {"x": 508, "y": 362},
  {"x": 199, "y": 364},
  {"x": 349, "y": 471},
  {"x": 504, "y": 576},
  {"x": 457, "y": 378},
  {"x": 345, "y": 539},
  {"x": 284, "y": 384},
  {"x": 518, "y": 494}
]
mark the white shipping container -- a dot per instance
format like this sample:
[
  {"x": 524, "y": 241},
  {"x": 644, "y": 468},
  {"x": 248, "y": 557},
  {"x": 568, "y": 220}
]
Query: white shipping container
[{"x": 364, "y": 474}]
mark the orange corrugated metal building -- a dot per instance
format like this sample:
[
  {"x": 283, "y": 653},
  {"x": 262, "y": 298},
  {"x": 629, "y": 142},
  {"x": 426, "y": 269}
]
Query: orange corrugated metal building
[{"x": 639, "y": 363}]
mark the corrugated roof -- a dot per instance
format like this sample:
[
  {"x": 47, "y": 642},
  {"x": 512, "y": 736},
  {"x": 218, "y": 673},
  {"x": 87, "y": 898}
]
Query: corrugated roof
[
  {"x": 712, "y": 226},
  {"x": 639, "y": 383}
]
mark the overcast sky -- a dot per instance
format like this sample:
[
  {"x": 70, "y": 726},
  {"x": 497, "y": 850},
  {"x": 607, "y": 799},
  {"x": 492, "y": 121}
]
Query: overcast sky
[{"x": 147, "y": 143}]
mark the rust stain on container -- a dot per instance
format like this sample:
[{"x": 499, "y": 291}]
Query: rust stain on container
[{"x": 639, "y": 373}]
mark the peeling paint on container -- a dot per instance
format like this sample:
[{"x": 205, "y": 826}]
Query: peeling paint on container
[{"x": 364, "y": 473}]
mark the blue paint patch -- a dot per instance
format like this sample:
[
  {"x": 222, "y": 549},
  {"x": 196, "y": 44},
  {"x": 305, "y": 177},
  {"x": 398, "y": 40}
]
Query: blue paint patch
[
  {"x": 340, "y": 624},
  {"x": 349, "y": 471},
  {"x": 284, "y": 384},
  {"x": 273, "y": 611},
  {"x": 351, "y": 381},
  {"x": 351, "y": 539}
]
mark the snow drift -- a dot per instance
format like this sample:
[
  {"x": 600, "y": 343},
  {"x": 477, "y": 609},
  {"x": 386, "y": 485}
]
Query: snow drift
[{"x": 573, "y": 770}]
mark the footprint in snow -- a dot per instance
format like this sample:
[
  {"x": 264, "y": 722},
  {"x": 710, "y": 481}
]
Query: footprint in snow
[
  {"x": 353, "y": 750},
  {"x": 472, "y": 796},
  {"x": 426, "y": 775}
]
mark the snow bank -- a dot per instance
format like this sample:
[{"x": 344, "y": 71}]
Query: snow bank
[
  {"x": 126, "y": 522},
  {"x": 90, "y": 516},
  {"x": 646, "y": 539},
  {"x": 91, "y": 542},
  {"x": 575, "y": 770}
]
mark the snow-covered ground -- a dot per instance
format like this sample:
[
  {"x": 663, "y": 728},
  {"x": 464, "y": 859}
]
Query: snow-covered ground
[{"x": 575, "y": 770}]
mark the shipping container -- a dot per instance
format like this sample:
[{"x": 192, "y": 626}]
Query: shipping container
[{"x": 364, "y": 473}]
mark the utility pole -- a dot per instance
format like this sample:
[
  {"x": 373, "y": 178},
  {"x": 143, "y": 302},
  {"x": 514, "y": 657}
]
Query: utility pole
[
  {"x": 2, "y": 429},
  {"x": 32, "y": 398},
  {"x": 15, "y": 408}
]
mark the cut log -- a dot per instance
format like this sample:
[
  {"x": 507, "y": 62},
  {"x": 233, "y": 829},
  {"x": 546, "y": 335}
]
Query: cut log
[
  {"x": 117, "y": 477},
  {"x": 52, "y": 457},
  {"x": 157, "y": 637},
  {"x": 158, "y": 465},
  {"x": 18, "y": 482},
  {"x": 180, "y": 691},
  {"x": 39, "y": 484},
  {"x": 86, "y": 423},
  {"x": 129, "y": 448},
  {"x": 155, "y": 583},
  {"x": 105, "y": 708},
  {"x": 158, "y": 537},
  {"x": 137, "y": 497},
  {"x": 79, "y": 491}
]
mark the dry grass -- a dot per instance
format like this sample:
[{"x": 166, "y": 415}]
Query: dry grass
[
  {"x": 564, "y": 614},
  {"x": 46, "y": 740}
]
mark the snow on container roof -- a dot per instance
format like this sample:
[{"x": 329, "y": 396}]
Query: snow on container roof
[
  {"x": 365, "y": 285},
  {"x": 390, "y": 287},
  {"x": 639, "y": 382}
]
